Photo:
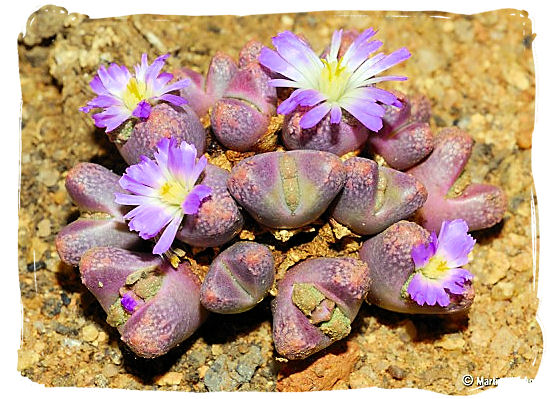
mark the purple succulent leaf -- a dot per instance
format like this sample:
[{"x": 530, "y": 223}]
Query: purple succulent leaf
[
  {"x": 341, "y": 138},
  {"x": 218, "y": 219},
  {"x": 165, "y": 121},
  {"x": 306, "y": 181},
  {"x": 238, "y": 278},
  {"x": 391, "y": 263},
  {"x": 343, "y": 281},
  {"x": 480, "y": 205},
  {"x": 165, "y": 319},
  {"x": 85, "y": 233},
  {"x": 375, "y": 197}
]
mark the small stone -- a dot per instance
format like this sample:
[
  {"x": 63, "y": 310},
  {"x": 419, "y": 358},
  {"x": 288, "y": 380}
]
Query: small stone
[
  {"x": 518, "y": 79},
  {"x": 502, "y": 291},
  {"x": 109, "y": 370},
  {"x": 397, "y": 372},
  {"x": 48, "y": 176},
  {"x": 26, "y": 359},
  {"x": 217, "y": 350},
  {"x": 34, "y": 266},
  {"x": 44, "y": 228},
  {"x": 451, "y": 342},
  {"x": 102, "y": 337},
  {"x": 101, "y": 381},
  {"x": 170, "y": 378},
  {"x": 324, "y": 373},
  {"x": 503, "y": 342},
  {"x": 202, "y": 371},
  {"x": 65, "y": 299},
  {"x": 89, "y": 333}
]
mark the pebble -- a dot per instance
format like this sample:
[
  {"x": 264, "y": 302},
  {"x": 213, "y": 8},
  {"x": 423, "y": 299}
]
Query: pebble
[
  {"x": 503, "y": 342},
  {"x": 502, "y": 291},
  {"x": 518, "y": 79},
  {"x": 109, "y": 370},
  {"x": 26, "y": 359},
  {"x": 89, "y": 333},
  {"x": 44, "y": 228},
  {"x": 397, "y": 372},
  {"x": 170, "y": 378},
  {"x": 48, "y": 176},
  {"x": 451, "y": 342},
  {"x": 34, "y": 266}
]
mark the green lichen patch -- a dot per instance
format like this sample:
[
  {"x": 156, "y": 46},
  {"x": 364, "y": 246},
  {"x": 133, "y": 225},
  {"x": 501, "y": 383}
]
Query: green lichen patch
[
  {"x": 306, "y": 297},
  {"x": 116, "y": 316},
  {"x": 337, "y": 327},
  {"x": 148, "y": 287}
]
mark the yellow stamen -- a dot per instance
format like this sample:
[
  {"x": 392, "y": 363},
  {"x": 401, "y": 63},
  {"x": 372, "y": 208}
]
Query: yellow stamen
[
  {"x": 135, "y": 93},
  {"x": 436, "y": 268},
  {"x": 333, "y": 80},
  {"x": 173, "y": 193}
]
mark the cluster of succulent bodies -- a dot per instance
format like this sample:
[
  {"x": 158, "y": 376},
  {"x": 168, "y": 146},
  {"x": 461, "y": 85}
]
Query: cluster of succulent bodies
[{"x": 169, "y": 195}]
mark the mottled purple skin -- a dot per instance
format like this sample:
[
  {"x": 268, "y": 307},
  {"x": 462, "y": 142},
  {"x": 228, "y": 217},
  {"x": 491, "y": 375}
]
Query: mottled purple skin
[
  {"x": 84, "y": 233},
  {"x": 218, "y": 219},
  {"x": 375, "y": 197},
  {"x": 203, "y": 93},
  {"x": 349, "y": 135},
  {"x": 250, "y": 53},
  {"x": 180, "y": 123},
  {"x": 344, "y": 281},
  {"x": 406, "y": 137},
  {"x": 195, "y": 93},
  {"x": 166, "y": 319},
  {"x": 238, "y": 278},
  {"x": 480, "y": 205},
  {"x": 92, "y": 187},
  {"x": 389, "y": 258},
  {"x": 287, "y": 189},
  {"x": 241, "y": 118}
]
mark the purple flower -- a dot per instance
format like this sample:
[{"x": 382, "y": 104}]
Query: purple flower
[
  {"x": 122, "y": 95},
  {"x": 439, "y": 264},
  {"x": 333, "y": 83},
  {"x": 164, "y": 191},
  {"x": 128, "y": 302}
]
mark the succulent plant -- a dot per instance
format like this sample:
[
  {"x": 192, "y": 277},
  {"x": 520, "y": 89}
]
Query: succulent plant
[
  {"x": 391, "y": 265},
  {"x": 92, "y": 187},
  {"x": 287, "y": 189},
  {"x": 238, "y": 278},
  {"x": 406, "y": 137},
  {"x": 241, "y": 101},
  {"x": 153, "y": 305},
  {"x": 316, "y": 302},
  {"x": 135, "y": 110},
  {"x": 165, "y": 121},
  {"x": 335, "y": 102},
  {"x": 480, "y": 205},
  {"x": 375, "y": 197},
  {"x": 218, "y": 219}
]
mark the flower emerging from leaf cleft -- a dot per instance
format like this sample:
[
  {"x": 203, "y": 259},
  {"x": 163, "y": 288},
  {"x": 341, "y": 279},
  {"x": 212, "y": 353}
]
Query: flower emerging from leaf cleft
[
  {"x": 122, "y": 95},
  {"x": 438, "y": 266},
  {"x": 164, "y": 190},
  {"x": 333, "y": 84}
]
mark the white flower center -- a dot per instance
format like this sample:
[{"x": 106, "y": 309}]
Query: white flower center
[{"x": 333, "y": 80}]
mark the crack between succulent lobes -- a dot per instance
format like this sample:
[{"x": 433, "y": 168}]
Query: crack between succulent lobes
[
  {"x": 239, "y": 285},
  {"x": 244, "y": 100},
  {"x": 289, "y": 179},
  {"x": 381, "y": 186}
]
